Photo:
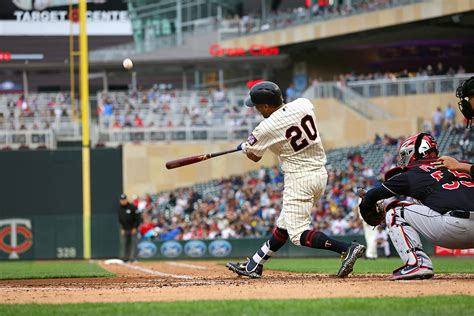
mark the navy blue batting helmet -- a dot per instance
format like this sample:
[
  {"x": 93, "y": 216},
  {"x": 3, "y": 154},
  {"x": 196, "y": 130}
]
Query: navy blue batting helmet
[{"x": 265, "y": 92}]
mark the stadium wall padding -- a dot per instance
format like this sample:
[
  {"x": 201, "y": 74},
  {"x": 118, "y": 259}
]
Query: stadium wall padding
[
  {"x": 45, "y": 189},
  {"x": 145, "y": 172},
  {"x": 238, "y": 248}
]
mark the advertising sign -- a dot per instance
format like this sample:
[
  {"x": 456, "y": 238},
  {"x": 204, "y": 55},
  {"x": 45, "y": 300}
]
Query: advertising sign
[{"x": 51, "y": 17}]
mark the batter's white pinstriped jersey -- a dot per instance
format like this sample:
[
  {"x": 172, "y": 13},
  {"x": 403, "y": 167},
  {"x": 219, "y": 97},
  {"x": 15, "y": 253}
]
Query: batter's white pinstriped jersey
[{"x": 291, "y": 133}]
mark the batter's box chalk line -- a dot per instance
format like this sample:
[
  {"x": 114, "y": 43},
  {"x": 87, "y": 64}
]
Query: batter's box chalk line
[{"x": 146, "y": 270}]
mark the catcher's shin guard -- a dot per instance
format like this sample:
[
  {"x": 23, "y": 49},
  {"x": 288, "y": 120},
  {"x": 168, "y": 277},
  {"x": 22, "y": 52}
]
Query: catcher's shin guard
[{"x": 406, "y": 240}]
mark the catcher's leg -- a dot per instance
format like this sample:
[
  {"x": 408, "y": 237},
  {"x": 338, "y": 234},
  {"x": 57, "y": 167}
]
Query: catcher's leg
[{"x": 417, "y": 264}]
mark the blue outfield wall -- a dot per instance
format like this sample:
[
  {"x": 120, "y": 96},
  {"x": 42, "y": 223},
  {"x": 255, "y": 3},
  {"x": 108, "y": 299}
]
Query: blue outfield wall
[
  {"x": 235, "y": 248},
  {"x": 223, "y": 248}
]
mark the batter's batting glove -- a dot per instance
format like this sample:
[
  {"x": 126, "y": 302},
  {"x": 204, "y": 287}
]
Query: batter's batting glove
[{"x": 243, "y": 148}]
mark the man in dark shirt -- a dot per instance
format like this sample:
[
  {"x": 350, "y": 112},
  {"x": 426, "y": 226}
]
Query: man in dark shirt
[
  {"x": 129, "y": 219},
  {"x": 465, "y": 93},
  {"x": 442, "y": 206}
]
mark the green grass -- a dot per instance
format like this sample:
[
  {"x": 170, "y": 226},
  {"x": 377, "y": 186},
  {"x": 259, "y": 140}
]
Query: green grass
[
  {"x": 382, "y": 265},
  {"x": 50, "y": 269},
  {"x": 74, "y": 269},
  {"x": 419, "y": 306}
]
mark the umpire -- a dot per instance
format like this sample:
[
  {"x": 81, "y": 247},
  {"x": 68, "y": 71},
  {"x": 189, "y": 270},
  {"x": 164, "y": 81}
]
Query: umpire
[
  {"x": 465, "y": 93},
  {"x": 129, "y": 219}
]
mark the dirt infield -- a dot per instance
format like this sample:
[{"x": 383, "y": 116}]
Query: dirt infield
[{"x": 200, "y": 280}]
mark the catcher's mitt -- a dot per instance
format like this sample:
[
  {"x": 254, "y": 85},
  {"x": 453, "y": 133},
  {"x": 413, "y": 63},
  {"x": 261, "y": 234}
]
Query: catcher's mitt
[{"x": 372, "y": 214}]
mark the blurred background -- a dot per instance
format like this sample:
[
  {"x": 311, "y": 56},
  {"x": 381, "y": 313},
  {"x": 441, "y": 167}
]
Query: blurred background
[{"x": 376, "y": 70}]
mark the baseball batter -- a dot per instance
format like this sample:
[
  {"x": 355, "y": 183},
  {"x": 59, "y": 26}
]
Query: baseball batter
[
  {"x": 444, "y": 214},
  {"x": 290, "y": 131}
]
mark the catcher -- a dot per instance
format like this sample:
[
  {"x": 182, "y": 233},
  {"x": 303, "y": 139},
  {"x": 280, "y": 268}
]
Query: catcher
[{"x": 444, "y": 214}]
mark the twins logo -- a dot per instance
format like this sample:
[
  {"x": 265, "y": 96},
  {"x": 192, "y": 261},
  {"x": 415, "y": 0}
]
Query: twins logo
[
  {"x": 15, "y": 227},
  {"x": 195, "y": 248},
  {"x": 220, "y": 248},
  {"x": 171, "y": 249},
  {"x": 146, "y": 249}
]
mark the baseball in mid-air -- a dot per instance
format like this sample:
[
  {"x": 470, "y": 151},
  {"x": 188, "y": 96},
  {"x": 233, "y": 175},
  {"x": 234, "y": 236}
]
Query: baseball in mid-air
[{"x": 127, "y": 63}]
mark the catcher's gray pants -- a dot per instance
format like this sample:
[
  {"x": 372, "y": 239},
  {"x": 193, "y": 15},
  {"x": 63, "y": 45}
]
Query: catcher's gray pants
[{"x": 446, "y": 230}]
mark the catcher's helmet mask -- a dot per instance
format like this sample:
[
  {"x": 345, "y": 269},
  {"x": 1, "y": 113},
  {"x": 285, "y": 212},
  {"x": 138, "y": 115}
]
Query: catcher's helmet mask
[
  {"x": 417, "y": 147},
  {"x": 463, "y": 91},
  {"x": 265, "y": 92}
]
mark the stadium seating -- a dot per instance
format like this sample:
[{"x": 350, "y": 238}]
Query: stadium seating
[
  {"x": 36, "y": 121},
  {"x": 174, "y": 115},
  {"x": 238, "y": 26}
]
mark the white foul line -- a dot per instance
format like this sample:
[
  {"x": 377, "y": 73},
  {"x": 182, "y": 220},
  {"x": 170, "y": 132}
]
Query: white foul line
[
  {"x": 186, "y": 265},
  {"x": 154, "y": 272}
]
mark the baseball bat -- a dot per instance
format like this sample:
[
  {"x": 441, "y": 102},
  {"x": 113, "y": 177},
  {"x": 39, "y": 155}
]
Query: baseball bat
[{"x": 195, "y": 159}]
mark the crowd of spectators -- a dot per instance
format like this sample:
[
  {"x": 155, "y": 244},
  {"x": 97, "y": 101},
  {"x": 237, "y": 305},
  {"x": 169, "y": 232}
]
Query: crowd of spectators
[
  {"x": 292, "y": 15},
  {"x": 248, "y": 206},
  {"x": 421, "y": 72},
  {"x": 157, "y": 107},
  {"x": 38, "y": 111}
]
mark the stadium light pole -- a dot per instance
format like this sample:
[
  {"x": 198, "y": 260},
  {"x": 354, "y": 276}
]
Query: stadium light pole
[{"x": 84, "y": 84}]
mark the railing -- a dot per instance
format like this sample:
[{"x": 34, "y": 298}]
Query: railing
[
  {"x": 28, "y": 139},
  {"x": 348, "y": 97},
  {"x": 234, "y": 28},
  {"x": 355, "y": 101},
  {"x": 64, "y": 128},
  {"x": 67, "y": 130},
  {"x": 165, "y": 134},
  {"x": 408, "y": 86}
]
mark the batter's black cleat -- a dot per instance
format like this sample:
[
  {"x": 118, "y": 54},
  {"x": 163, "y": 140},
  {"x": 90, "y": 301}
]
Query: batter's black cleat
[
  {"x": 348, "y": 259},
  {"x": 241, "y": 269}
]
